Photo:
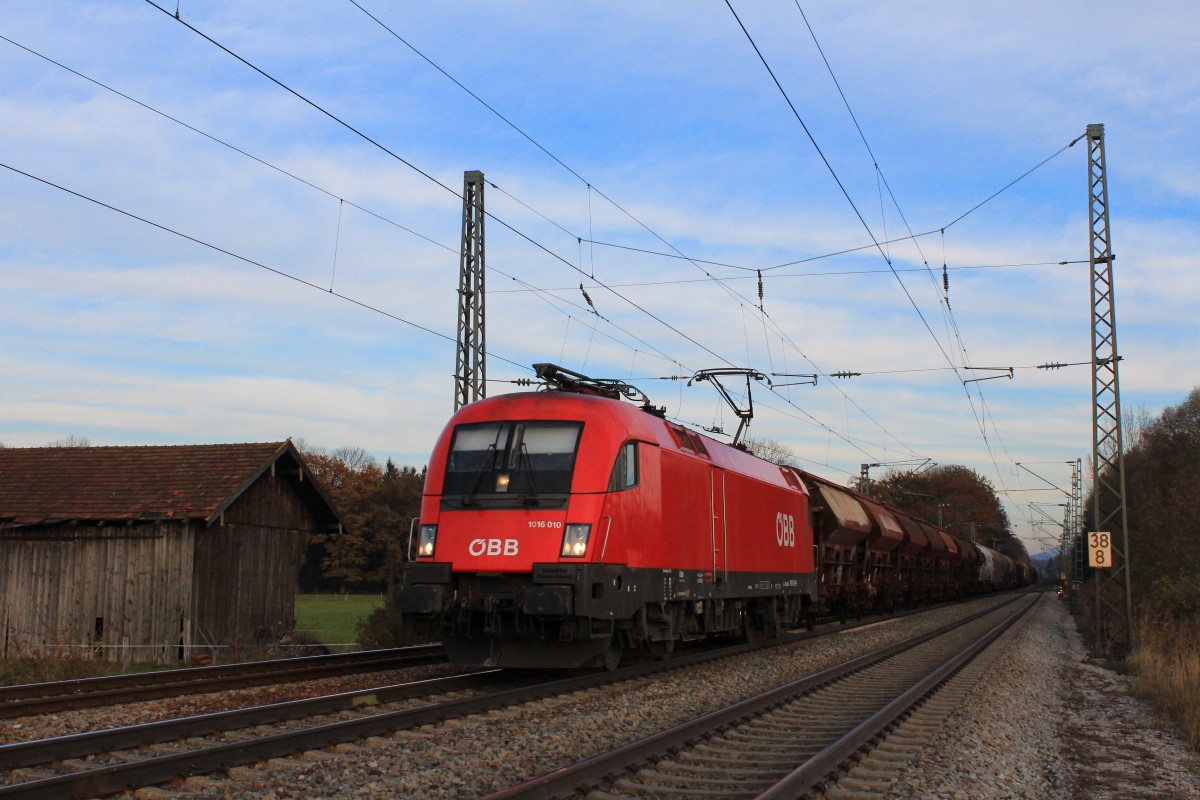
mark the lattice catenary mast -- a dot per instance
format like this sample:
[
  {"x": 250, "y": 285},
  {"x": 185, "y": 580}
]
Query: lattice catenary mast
[
  {"x": 1070, "y": 544},
  {"x": 470, "y": 366},
  {"x": 1113, "y": 630}
]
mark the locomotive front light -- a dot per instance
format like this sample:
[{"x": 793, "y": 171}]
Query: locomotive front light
[
  {"x": 501, "y": 483},
  {"x": 426, "y": 541},
  {"x": 575, "y": 540}
]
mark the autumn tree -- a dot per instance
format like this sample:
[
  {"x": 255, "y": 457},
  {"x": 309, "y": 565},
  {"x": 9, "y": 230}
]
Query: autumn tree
[
  {"x": 1162, "y": 496},
  {"x": 377, "y": 504},
  {"x": 961, "y": 497}
]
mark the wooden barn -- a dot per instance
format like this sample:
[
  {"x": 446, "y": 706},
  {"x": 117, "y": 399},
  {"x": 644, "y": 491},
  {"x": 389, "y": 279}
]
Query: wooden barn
[{"x": 153, "y": 554}]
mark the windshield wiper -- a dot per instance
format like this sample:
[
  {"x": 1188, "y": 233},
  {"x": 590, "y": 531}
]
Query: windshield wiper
[
  {"x": 530, "y": 499},
  {"x": 469, "y": 497}
]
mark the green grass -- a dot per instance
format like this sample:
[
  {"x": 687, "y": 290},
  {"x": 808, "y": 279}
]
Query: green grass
[{"x": 330, "y": 618}]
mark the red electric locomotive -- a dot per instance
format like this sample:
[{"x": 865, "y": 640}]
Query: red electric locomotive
[{"x": 562, "y": 527}]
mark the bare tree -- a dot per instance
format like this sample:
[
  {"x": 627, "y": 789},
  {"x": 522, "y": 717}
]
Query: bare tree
[
  {"x": 1134, "y": 422},
  {"x": 771, "y": 450},
  {"x": 355, "y": 458},
  {"x": 71, "y": 440}
]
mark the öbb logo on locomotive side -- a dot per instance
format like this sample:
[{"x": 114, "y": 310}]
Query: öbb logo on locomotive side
[
  {"x": 492, "y": 547},
  {"x": 785, "y": 530}
]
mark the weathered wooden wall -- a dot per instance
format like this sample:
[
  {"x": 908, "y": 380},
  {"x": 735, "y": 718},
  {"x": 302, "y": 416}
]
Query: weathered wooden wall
[
  {"x": 246, "y": 570},
  {"x": 120, "y": 592},
  {"x": 156, "y": 591}
]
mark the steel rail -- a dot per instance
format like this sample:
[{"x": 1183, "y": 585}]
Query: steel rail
[
  {"x": 40, "y": 751},
  {"x": 126, "y": 776},
  {"x": 120, "y": 777},
  {"x": 41, "y": 698},
  {"x": 591, "y": 771},
  {"x": 817, "y": 769}
]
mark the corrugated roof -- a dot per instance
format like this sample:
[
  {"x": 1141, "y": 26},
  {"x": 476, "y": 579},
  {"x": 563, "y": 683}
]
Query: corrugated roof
[{"x": 46, "y": 484}]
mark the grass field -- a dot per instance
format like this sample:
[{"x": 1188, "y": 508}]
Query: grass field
[{"x": 330, "y": 618}]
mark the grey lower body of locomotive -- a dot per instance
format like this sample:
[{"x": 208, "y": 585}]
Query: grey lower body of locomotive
[{"x": 576, "y": 615}]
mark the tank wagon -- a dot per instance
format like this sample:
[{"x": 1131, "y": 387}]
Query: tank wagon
[{"x": 562, "y": 528}]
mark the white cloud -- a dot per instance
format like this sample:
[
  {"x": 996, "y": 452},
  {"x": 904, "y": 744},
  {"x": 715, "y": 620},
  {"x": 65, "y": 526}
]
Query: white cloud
[{"x": 131, "y": 335}]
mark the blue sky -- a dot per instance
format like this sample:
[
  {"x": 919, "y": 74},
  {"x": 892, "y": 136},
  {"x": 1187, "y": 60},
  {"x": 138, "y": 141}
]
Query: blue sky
[{"x": 127, "y": 334}]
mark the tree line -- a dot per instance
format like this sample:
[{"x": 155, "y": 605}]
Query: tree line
[
  {"x": 378, "y": 504},
  {"x": 961, "y": 500},
  {"x": 1162, "y": 500}
]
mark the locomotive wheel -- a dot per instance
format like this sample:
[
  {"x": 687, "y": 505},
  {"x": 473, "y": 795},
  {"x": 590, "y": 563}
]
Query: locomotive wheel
[
  {"x": 612, "y": 656},
  {"x": 662, "y": 650},
  {"x": 751, "y": 633}
]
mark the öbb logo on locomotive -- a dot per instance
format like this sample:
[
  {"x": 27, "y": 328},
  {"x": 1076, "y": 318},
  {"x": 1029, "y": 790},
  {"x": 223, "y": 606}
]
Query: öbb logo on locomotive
[
  {"x": 493, "y": 547},
  {"x": 785, "y": 530}
]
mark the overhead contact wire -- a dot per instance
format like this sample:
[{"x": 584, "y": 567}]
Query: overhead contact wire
[
  {"x": 341, "y": 200},
  {"x": 590, "y": 187},
  {"x": 426, "y": 175},
  {"x": 246, "y": 260}
]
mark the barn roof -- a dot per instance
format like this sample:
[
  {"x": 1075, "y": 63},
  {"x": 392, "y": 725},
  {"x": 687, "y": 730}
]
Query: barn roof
[{"x": 56, "y": 484}]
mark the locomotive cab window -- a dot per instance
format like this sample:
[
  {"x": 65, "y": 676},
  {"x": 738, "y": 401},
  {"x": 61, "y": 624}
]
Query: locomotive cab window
[
  {"x": 511, "y": 464},
  {"x": 625, "y": 470}
]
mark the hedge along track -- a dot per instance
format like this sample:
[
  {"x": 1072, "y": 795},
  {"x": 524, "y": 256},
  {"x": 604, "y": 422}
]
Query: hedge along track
[{"x": 786, "y": 742}]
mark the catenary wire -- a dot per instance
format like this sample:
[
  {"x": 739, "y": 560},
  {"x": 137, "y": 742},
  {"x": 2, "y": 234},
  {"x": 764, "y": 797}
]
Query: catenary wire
[
  {"x": 426, "y": 175},
  {"x": 833, "y": 173},
  {"x": 980, "y": 422},
  {"x": 246, "y": 260},
  {"x": 592, "y": 188},
  {"x": 829, "y": 274},
  {"x": 341, "y": 200},
  {"x": 367, "y": 138},
  {"x": 944, "y": 303}
]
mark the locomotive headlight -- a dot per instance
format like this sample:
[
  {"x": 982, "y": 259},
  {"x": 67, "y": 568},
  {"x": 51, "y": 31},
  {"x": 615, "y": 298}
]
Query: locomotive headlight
[
  {"x": 426, "y": 541},
  {"x": 501, "y": 483},
  {"x": 575, "y": 540}
]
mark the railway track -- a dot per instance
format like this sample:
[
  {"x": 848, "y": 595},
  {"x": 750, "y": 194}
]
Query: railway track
[
  {"x": 153, "y": 753},
  {"x": 109, "y": 761},
  {"x": 791, "y": 740},
  {"x": 44, "y": 698}
]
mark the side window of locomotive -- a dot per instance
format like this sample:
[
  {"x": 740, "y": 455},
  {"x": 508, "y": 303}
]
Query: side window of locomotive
[{"x": 625, "y": 470}]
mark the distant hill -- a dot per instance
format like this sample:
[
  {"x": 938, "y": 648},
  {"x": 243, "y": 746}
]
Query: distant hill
[{"x": 1042, "y": 563}]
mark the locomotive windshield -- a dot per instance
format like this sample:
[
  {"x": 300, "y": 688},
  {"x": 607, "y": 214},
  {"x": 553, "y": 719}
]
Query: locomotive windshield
[{"x": 511, "y": 464}]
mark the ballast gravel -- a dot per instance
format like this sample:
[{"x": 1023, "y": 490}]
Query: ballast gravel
[
  {"x": 1047, "y": 722},
  {"x": 1043, "y": 723},
  {"x": 63, "y": 723}
]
